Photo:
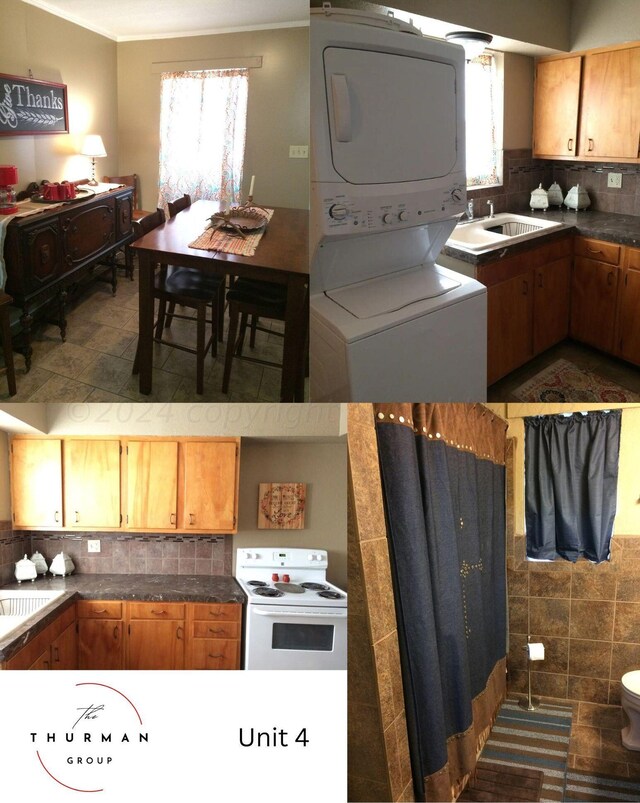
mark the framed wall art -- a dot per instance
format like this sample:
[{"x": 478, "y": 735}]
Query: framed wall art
[
  {"x": 29, "y": 107},
  {"x": 281, "y": 505}
]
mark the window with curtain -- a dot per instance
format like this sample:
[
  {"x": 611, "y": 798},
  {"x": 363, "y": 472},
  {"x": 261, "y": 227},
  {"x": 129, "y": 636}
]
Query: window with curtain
[
  {"x": 571, "y": 482},
  {"x": 483, "y": 121},
  {"x": 203, "y": 120}
]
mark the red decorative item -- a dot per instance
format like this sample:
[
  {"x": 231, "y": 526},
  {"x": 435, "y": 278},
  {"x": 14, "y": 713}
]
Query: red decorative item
[
  {"x": 8, "y": 179},
  {"x": 275, "y": 578},
  {"x": 285, "y": 578}
]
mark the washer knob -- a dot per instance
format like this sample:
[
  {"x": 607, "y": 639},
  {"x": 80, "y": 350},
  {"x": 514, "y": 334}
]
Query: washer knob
[
  {"x": 387, "y": 217},
  {"x": 338, "y": 212},
  {"x": 403, "y": 215},
  {"x": 456, "y": 194}
]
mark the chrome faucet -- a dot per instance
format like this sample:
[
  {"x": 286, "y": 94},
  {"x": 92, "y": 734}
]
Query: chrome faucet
[{"x": 490, "y": 204}]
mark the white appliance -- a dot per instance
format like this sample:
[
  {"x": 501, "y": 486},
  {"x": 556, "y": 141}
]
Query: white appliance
[
  {"x": 294, "y": 618},
  {"x": 388, "y": 184}
]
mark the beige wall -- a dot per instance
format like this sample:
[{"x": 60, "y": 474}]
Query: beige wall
[
  {"x": 5, "y": 495},
  {"x": 628, "y": 512},
  {"x": 518, "y": 101},
  {"x": 323, "y": 466},
  {"x": 595, "y": 23},
  {"x": 278, "y": 108},
  {"x": 56, "y": 50}
]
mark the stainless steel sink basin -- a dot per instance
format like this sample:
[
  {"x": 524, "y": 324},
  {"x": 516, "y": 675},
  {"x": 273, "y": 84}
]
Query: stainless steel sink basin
[{"x": 500, "y": 230}]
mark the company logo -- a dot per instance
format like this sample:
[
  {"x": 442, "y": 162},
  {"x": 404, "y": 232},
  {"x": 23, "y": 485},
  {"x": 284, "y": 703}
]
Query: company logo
[{"x": 97, "y": 728}]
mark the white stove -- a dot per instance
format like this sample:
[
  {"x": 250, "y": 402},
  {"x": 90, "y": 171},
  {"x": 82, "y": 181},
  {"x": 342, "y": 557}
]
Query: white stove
[{"x": 294, "y": 619}]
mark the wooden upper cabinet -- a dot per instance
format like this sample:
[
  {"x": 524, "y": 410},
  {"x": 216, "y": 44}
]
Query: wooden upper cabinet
[
  {"x": 556, "y": 103},
  {"x": 152, "y": 485},
  {"x": 610, "y": 116},
  {"x": 92, "y": 483},
  {"x": 209, "y": 486},
  {"x": 36, "y": 483}
]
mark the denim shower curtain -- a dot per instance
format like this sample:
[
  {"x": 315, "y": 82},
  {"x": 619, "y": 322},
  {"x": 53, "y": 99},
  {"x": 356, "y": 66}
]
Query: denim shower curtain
[
  {"x": 571, "y": 481},
  {"x": 443, "y": 477}
]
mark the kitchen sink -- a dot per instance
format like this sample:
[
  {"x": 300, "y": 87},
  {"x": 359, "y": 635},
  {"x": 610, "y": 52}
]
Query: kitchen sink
[
  {"x": 502, "y": 229},
  {"x": 17, "y": 606}
]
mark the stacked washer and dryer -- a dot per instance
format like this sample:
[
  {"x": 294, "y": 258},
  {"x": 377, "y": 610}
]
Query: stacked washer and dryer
[{"x": 388, "y": 185}]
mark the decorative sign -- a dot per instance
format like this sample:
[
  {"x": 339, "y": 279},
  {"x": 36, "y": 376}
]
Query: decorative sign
[
  {"x": 281, "y": 505},
  {"x": 28, "y": 106}
]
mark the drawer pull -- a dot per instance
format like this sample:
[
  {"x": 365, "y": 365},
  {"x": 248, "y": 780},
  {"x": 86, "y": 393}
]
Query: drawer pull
[
  {"x": 102, "y": 610},
  {"x": 115, "y": 632},
  {"x": 594, "y": 250},
  {"x": 158, "y": 613},
  {"x": 570, "y": 144},
  {"x": 216, "y": 630},
  {"x": 217, "y": 655}
]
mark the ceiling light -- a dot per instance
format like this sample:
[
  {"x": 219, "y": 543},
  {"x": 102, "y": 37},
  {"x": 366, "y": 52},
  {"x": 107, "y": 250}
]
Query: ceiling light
[{"x": 473, "y": 42}]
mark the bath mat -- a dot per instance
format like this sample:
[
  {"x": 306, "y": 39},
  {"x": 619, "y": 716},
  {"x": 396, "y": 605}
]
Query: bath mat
[
  {"x": 591, "y": 786},
  {"x": 498, "y": 782},
  {"x": 562, "y": 381},
  {"x": 537, "y": 740}
]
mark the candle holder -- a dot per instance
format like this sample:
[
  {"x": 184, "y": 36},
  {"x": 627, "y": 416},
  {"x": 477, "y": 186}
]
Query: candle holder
[{"x": 8, "y": 179}]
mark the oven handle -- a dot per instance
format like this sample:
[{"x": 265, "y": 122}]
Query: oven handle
[{"x": 306, "y": 615}]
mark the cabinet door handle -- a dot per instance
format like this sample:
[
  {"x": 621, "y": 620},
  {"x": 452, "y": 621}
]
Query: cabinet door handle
[
  {"x": 158, "y": 613},
  {"x": 217, "y": 655},
  {"x": 172, "y": 518},
  {"x": 570, "y": 144},
  {"x": 216, "y": 630},
  {"x": 116, "y": 632},
  {"x": 590, "y": 141},
  {"x": 192, "y": 518},
  {"x": 525, "y": 288},
  {"x": 610, "y": 278},
  {"x": 47, "y": 664},
  {"x": 178, "y": 636},
  {"x": 56, "y": 655},
  {"x": 77, "y": 516},
  {"x": 539, "y": 280},
  {"x": 56, "y": 517}
]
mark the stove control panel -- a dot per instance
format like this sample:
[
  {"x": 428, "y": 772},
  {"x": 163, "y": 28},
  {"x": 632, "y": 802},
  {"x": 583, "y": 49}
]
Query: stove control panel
[{"x": 281, "y": 558}]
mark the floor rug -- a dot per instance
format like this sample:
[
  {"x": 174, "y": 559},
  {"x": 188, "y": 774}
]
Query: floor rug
[
  {"x": 497, "y": 782},
  {"x": 588, "y": 786},
  {"x": 562, "y": 381},
  {"x": 537, "y": 740}
]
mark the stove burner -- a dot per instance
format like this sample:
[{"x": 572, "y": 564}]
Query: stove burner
[
  {"x": 256, "y": 583},
  {"x": 290, "y": 588},
  {"x": 265, "y": 591},
  {"x": 315, "y": 586},
  {"x": 330, "y": 595}
]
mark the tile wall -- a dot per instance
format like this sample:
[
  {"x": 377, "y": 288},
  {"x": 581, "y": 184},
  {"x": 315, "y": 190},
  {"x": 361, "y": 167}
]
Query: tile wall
[
  {"x": 588, "y": 617},
  {"x": 155, "y": 553},
  {"x": 12, "y": 548},
  {"x": 522, "y": 174}
]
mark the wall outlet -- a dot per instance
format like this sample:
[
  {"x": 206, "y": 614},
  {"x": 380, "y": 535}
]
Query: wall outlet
[
  {"x": 614, "y": 180},
  {"x": 298, "y": 151},
  {"x": 93, "y": 546}
]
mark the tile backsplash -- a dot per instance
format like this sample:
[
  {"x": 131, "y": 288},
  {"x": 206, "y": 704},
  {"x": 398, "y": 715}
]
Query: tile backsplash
[
  {"x": 152, "y": 553},
  {"x": 13, "y": 545},
  {"x": 522, "y": 174}
]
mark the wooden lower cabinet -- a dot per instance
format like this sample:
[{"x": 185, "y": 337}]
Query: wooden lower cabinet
[
  {"x": 156, "y": 635},
  {"x": 43, "y": 661},
  {"x": 552, "y": 302},
  {"x": 100, "y": 634},
  {"x": 56, "y": 641},
  {"x": 510, "y": 318},
  {"x": 214, "y": 636},
  {"x": 64, "y": 650},
  {"x": 593, "y": 302},
  {"x": 628, "y": 331}
]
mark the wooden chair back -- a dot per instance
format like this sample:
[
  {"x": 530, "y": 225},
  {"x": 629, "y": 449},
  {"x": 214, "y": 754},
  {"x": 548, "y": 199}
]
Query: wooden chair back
[
  {"x": 148, "y": 223},
  {"x": 128, "y": 181},
  {"x": 179, "y": 204}
]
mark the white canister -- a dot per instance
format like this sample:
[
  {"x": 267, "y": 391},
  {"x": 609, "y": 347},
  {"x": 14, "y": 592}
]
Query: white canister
[
  {"x": 539, "y": 199},
  {"x": 554, "y": 194},
  {"x": 577, "y": 198},
  {"x": 25, "y": 570},
  {"x": 61, "y": 565},
  {"x": 40, "y": 563}
]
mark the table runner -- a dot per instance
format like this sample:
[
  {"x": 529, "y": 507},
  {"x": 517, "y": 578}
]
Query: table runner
[{"x": 229, "y": 243}]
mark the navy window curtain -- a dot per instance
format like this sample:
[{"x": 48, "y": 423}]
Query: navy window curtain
[
  {"x": 445, "y": 509},
  {"x": 571, "y": 480}
]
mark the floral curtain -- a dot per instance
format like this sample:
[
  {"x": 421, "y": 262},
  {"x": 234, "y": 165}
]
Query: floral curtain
[
  {"x": 203, "y": 119},
  {"x": 480, "y": 114}
]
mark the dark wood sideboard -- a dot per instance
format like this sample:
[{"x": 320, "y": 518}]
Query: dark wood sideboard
[{"x": 49, "y": 255}]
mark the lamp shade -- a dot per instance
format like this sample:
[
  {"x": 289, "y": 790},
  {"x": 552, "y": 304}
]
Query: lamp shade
[
  {"x": 93, "y": 146},
  {"x": 473, "y": 42},
  {"x": 8, "y": 175}
]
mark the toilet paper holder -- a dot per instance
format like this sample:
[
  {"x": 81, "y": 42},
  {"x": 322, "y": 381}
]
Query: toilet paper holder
[{"x": 531, "y": 703}]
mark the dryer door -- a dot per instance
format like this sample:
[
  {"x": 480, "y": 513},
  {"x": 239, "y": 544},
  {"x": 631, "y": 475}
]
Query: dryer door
[{"x": 392, "y": 118}]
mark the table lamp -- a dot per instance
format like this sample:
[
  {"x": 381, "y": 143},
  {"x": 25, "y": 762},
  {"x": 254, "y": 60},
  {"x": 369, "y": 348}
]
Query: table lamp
[
  {"x": 93, "y": 146},
  {"x": 8, "y": 178}
]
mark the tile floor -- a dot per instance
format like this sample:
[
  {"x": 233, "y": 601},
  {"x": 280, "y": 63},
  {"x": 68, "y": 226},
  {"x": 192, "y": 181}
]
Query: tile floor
[
  {"x": 94, "y": 365},
  {"x": 584, "y": 357}
]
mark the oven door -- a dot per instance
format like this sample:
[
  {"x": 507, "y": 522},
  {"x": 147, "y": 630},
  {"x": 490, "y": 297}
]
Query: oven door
[{"x": 288, "y": 637}]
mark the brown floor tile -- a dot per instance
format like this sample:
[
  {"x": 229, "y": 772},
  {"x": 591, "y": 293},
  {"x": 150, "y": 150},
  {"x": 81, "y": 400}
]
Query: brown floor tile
[
  {"x": 617, "y": 768},
  {"x": 613, "y": 749},
  {"x": 600, "y": 716},
  {"x": 585, "y": 741}
]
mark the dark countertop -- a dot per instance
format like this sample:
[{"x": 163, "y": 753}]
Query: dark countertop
[
  {"x": 608, "y": 226},
  {"x": 139, "y": 587}
]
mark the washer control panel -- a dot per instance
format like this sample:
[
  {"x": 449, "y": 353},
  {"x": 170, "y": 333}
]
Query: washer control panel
[{"x": 344, "y": 214}]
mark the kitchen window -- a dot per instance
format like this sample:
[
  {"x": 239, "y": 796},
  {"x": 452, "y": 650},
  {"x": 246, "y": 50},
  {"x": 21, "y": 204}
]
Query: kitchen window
[
  {"x": 203, "y": 120},
  {"x": 483, "y": 117}
]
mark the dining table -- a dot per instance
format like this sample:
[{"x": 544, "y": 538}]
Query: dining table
[{"x": 281, "y": 257}]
